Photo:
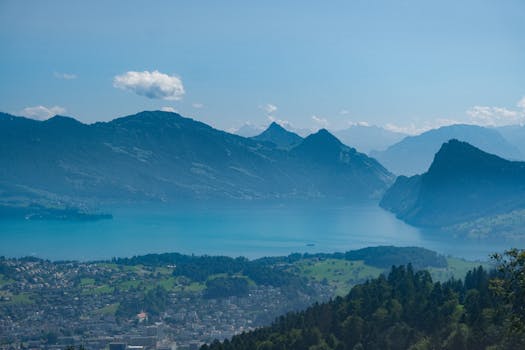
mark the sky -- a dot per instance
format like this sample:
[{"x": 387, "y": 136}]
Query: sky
[{"x": 403, "y": 65}]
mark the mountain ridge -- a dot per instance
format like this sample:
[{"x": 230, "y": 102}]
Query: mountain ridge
[
  {"x": 163, "y": 156},
  {"x": 463, "y": 183}
]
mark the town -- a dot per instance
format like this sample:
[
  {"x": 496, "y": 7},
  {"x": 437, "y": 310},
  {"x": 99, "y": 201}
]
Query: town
[{"x": 47, "y": 305}]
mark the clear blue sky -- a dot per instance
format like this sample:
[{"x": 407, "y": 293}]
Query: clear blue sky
[{"x": 384, "y": 62}]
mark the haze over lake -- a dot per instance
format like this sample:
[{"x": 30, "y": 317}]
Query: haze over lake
[{"x": 233, "y": 230}]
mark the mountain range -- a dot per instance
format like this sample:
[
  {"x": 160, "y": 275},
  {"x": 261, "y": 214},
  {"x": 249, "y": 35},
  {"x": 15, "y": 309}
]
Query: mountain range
[
  {"x": 365, "y": 138},
  {"x": 462, "y": 184},
  {"x": 162, "y": 156},
  {"x": 368, "y": 138},
  {"x": 413, "y": 155}
]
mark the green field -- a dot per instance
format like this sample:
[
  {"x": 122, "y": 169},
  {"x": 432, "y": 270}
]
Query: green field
[
  {"x": 342, "y": 275},
  {"x": 193, "y": 287},
  {"x": 87, "y": 282},
  {"x": 20, "y": 298},
  {"x": 128, "y": 284},
  {"x": 4, "y": 280},
  {"x": 110, "y": 310},
  {"x": 457, "y": 268},
  {"x": 338, "y": 273},
  {"x": 103, "y": 289}
]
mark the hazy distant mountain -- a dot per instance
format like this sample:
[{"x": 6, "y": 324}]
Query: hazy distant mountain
[
  {"x": 515, "y": 134},
  {"x": 249, "y": 130},
  {"x": 462, "y": 184},
  {"x": 414, "y": 154},
  {"x": 368, "y": 138},
  {"x": 162, "y": 156},
  {"x": 279, "y": 136}
]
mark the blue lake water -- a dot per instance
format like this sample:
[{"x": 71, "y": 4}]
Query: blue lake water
[{"x": 251, "y": 231}]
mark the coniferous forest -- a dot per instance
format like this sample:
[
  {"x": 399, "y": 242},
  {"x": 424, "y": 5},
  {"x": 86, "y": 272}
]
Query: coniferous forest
[{"x": 407, "y": 310}]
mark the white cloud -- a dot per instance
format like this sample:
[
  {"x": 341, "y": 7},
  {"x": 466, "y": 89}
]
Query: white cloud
[
  {"x": 65, "y": 76},
  {"x": 410, "y": 129},
  {"x": 168, "y": 109},
  {"x": 477, "y": 115},
  {"x": 361, "y": 123},
  {"x": 197, "y": 105},
  {"x": 413, "y": 129},
  {"x": 322, "y": 122},
  {"x": 494, "y": 116},
  {"x": 155, "y": 85},
  {"x": 521, "y": 103},
  {"x": 269, "y": 108},
  {"x": 497, "y": 116},
  {"x": 344, "y": 112},
  {"x": 42, "y": 112}
]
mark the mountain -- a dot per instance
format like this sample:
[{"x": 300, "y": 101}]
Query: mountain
[
  {"x": 413, "y": 154},
  {"x": 462, "y": 184},
  {"x": 162, "y": 156},
  {"x": 279, "y": 136},
  {"x": 515, "y": 134},
  {"x": 248, "y": 130},
  {"x": 324, "y": 154},
  {"x": 368, "y": 138}
]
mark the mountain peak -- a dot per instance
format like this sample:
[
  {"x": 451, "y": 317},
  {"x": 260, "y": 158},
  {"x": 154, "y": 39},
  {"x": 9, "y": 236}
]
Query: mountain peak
[
  {"x": 62, "y": 120},
  {"x": 460, "y": 156},
  {"x": 148, "y": 119},
  {"x": 155, "y": 115},
  {"x": 455, "y": 145},
  {"x": 323, "y": 136},
  {"x": 275, "y": 125},
  {"x": 279, "y": 136},
  {"x": 321, "y": 145}
]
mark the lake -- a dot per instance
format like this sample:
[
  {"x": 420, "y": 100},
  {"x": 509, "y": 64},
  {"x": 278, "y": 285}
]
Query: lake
[{"x": 252, "y": 231}]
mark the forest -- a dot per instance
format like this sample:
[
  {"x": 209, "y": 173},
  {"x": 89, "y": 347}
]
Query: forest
[{"x": 407, "y": 310}]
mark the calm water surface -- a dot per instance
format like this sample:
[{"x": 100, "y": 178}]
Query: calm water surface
[{"x": 253, "y": 231}]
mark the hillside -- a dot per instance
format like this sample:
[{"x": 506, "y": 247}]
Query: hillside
[
  {"x": 414, "y": 154},
  {"x": 404, "y": 310},
  {"x": 162, "y": 156},
  {"x": 462, "y": 184}
]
